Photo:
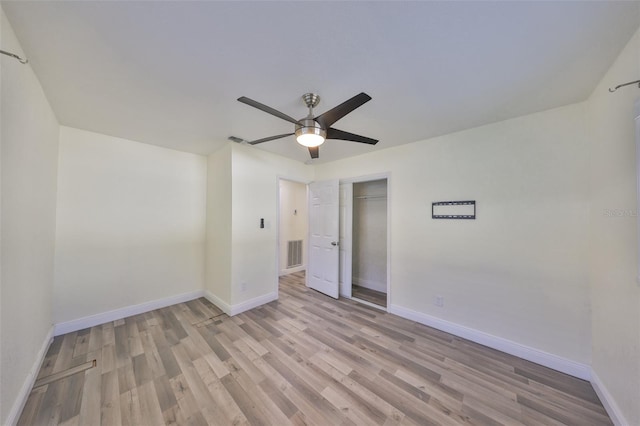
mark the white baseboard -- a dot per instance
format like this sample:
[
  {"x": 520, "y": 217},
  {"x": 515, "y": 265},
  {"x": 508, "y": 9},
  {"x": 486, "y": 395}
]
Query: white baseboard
[
  {"x": 607, "y": 400},
  {"x": 253, "y": 303},
  {"x": 292, "y": 270},
  {"x": 25, "y": 390},
  {"x": 239, "y": 308},
  {"x": 226, "y": 308},
  {"x": 373, "y": 285},
  {"x": 367, "y": 303},
  {"x": 555, "y": 362},
  {"x": 127, "y": 311}
]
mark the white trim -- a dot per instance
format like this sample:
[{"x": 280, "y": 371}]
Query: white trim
[
  {"x": 380, "y": 176},
  {"x": 253, "y": 303},
  {"x": 127, "y": 311},
  {"x": 607, "y": 401},
  {"x": 389, "y": 204},
  {"x": 292, "y": 270},
  {"x": 366, "y": 302},
  {"x": 555, "y": 362},
  {"x": 637, "y": 137},
  {"x": 226, "y": 308},
  {"x": 25, "y": 390},
  {"x": 366, "y": 178},
  {"x": 346, "y": 239},
  {"x": 239, "y": 308},
  {"x": 370, "y": 284}
]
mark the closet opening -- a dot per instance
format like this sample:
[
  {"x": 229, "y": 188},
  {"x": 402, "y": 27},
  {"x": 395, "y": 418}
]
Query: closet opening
[
  {"x": 369, "y": 242},
  {"x": 292, "y": 227}
]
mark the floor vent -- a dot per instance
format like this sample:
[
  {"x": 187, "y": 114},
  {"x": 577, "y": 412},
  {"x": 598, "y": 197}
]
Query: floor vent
[{"x": 294, "y": 253}]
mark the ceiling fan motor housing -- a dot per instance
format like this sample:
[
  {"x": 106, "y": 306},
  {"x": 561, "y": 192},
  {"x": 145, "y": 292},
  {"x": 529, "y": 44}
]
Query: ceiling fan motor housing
[{"x": 310, "y": 133}]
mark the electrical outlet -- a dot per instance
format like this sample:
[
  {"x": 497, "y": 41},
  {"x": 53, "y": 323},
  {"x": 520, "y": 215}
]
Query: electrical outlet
[
  {"x": 439, "y": 302},
  {"x": 243, "y": 286}
]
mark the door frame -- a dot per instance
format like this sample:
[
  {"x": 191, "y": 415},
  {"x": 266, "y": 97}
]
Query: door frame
[
  {"x": 636, "y": 115},
  {"x": 346, "y": 239},
  {"x": 367, "y": 178},
  {"x": 278, "y": 242}
]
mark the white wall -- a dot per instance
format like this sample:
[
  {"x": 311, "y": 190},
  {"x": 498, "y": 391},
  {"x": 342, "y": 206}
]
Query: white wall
[
  {"x": 130, "y": 224},
  {"x": 613, "y": 261},
  {"x": 29, "y": 152},
  {"x": 518, "y": 272},
  {"x": 255, "y": 183},
  {"x": 369, "y": 259},
  {"x": 293, "y": 220},
  {"x": 218, "y": 245}
]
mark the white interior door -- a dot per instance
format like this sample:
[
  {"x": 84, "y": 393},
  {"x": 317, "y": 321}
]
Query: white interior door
[
  {"x": 346, "y": 220},
  {"x": 324, "y": 254}
]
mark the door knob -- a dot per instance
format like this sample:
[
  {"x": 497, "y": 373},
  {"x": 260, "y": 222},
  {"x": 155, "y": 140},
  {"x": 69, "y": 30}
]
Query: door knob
[{"x": 334, "y": 243}]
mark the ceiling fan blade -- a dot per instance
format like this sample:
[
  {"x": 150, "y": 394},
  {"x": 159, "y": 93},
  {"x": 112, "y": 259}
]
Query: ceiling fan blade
[
  {"x": 267, "y": 109},
  {"x": 314, "y": 151},
  {"x": 346, "y": 136},
  {"x": 270, "y": 138},
  {"x": 327, "y": 119}
]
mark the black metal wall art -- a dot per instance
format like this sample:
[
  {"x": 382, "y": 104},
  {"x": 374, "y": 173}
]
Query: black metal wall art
[{"x": 453, "y": 210}]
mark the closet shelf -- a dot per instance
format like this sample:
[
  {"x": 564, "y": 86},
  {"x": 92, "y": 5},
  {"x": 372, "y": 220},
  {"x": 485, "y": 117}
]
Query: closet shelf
[{"x": 371, "y": 197}]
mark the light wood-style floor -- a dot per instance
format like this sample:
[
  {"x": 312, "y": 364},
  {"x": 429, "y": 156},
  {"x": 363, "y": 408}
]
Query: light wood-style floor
[
  {"x": 372, "y": 296},
  {"x": 305, "y": 359}
]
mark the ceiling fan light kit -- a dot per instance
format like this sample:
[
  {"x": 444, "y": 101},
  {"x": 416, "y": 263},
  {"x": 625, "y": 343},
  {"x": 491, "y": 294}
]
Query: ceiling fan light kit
[
  {"x": 309, "y": 133},
  {"x": 312, "y": 131}
]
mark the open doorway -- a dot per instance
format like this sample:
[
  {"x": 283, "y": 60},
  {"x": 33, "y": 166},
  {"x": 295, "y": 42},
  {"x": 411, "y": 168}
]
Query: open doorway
[
  {"x": 293, "y": 226},
  {"x": 364, "y": 240},
  {"x": 360, "y": 245},
  {"x": 369, "y": 242}
]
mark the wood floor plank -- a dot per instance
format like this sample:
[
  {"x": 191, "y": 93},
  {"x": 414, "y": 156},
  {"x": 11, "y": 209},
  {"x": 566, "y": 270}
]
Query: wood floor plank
[
  {"x": 220, "y": 393},
  {"x": 49, "y": 410},
  {"x": 210, "y": 410},
  {"x": 70, "y": 406},
  {"x": 164, "y": 392},
  {"x": 141, "y": 370},
  {"x": 386, "y": 393},
  {"x": 149, "y": 405},
  {"x": 32, "y": 407},
  {"x": 81, "y": 345},
  {"x": 65, "y": 355},
  {"x": 369, "y": 295},
  {"x": 278, "y": 398},
  {"x": 246, "y": 405},
  {"x": 91, "y": 392},
  {"x": 184, "y": 396},
  {"x": 304, "y": 359},
  {"x": 154, "y": 361},
  {"x": 110, "y": 399},
  {"x": 130, "y": 408}
]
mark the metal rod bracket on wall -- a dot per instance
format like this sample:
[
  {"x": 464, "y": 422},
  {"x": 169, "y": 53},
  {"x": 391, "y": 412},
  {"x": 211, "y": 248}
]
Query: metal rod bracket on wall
[
  {"x": 624, "y": 84},
  {"x": 13, "y": 55}
]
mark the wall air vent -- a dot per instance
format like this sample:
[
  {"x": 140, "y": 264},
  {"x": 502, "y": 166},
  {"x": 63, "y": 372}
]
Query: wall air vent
[{"x": 294, "y": 253}]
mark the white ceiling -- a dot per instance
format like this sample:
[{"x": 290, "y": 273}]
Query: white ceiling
[{"x": 169, "y": 73}]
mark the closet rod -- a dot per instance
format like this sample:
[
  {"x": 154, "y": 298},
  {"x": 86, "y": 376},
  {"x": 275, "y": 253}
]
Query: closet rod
[
  {"x": 13, "y": 55},
  {"x": 370, "y": 197}
]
